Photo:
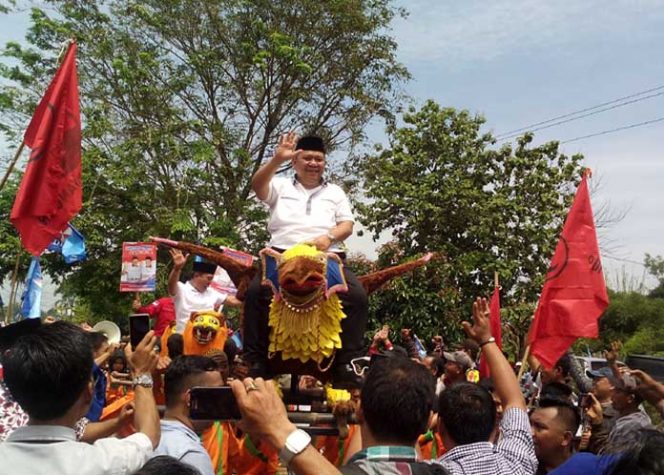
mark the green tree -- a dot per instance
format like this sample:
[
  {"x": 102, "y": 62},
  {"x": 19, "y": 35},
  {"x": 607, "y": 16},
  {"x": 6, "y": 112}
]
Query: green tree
[
  {"x": 183, "y": 100},
  {"x": 442, "y": 185}
]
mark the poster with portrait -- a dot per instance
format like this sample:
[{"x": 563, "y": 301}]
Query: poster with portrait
[
  {"x": 221, "y": 282},
  {"x": 139, "y": 267}
]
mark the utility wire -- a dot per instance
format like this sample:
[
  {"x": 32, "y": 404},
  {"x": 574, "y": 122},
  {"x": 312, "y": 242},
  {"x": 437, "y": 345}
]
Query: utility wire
[
  {"x": 604, "y": 256},
  {"x": 616, "y": 106},
  {"x": 610, "y": 131},
  {"x": 587, "y": 109}
]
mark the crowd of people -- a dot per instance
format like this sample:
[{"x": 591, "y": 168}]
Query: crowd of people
[{"x": 73, "y": 403}]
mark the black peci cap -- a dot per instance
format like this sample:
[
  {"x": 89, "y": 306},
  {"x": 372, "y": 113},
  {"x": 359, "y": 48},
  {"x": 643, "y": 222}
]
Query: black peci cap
[{"x": 311, "y": 142}]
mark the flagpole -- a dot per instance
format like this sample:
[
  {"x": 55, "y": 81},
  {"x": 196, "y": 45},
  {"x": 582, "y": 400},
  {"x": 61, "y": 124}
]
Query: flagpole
[
  {"x": 12, "y": 294},
  {"x": 11, "y": 166},
  {"x": 524, "y": 362}
]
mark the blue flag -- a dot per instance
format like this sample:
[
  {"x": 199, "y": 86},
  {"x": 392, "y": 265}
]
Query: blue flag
[
  {"x": 71, "y": 245},
  {"x": 31, "y": 307}
]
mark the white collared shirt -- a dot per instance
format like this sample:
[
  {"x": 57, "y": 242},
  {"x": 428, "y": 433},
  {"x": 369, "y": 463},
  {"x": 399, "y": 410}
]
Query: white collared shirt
[
  {"x": 298, "y": 214},
  {"x": 187, "y": 299},
  {"x": 54, "y": 450}
]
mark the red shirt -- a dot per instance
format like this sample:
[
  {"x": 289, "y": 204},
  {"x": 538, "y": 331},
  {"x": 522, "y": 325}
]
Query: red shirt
[{"x": 164, "y": 312}]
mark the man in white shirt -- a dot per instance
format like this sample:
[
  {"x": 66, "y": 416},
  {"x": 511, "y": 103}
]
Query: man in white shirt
[
  {"x": 49, "y": 373},
  {"x": 304, "y": 208},
  {"x": 195, "y": 294}
]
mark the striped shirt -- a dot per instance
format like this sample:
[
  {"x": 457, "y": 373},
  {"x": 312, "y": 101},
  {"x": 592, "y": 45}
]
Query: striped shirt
[{"x": 514, "y": 454}]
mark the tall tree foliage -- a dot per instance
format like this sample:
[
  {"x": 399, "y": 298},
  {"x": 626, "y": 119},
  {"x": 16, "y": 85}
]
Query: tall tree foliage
[
  {"x": 443, "y": 185},
  {"x": 183, "y": 100}
]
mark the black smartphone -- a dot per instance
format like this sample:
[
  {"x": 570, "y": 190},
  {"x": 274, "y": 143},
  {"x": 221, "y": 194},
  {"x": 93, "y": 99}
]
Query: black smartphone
[
  {"x": 139, "y": 326},
  {"x": 217, "y": 404},
  {"x": 584, "y": 400}
]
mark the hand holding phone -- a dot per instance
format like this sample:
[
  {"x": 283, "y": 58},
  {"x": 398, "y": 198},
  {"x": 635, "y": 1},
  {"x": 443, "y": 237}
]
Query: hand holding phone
[
  {"x": 217, "y": 403},
  {"x": 139, "y": 326}
]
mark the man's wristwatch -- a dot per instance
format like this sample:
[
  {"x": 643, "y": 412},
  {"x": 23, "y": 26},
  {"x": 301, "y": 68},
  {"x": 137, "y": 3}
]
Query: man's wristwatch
[
  {"x": 331, "y": 236},
  {"x": 144, "y": 380},
  {"x": 296, "y": 442},
  {"x": 490, "y": 340}
]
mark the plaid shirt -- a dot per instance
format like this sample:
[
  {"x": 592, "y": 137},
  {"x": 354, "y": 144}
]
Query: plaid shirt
[
  {"x": 514, "y": 454},
  {"x": 384, "y": 460}
]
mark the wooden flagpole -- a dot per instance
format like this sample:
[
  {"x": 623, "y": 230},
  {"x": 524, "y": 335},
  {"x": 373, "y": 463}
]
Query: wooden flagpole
[
  {"x": 12, "y": 164},
  {"x": 12, "y": 293}
]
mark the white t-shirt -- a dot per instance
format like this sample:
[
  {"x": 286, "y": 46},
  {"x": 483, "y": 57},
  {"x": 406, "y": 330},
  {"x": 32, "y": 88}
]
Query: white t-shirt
[
  {"x": 298, "y": 214},
  {"x": 54, "y": 450},
  {"x": 187, "y": 299}
]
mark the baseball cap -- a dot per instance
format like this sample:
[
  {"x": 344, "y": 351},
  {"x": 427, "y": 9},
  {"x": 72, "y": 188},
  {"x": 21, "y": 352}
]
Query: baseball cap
[
  {"x": 460, "y": 358},
  {"x": 604, "y": 372}
]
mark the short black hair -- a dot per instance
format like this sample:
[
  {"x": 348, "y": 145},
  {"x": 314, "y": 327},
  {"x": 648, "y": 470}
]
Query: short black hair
[
  {"x": 439, "y": 364},
  {"x": 175, "y": 345},
  {"x": 468, "y": 412},
  {"x": 397, "y": 399},
  {"x": 181, "y": 372},
  {"x": 566, "y": 412},
  {"x": 565, "y": 364},
  {"x": 644, "y": 457},
  {"x": 556, "y": 391},
  {"x": 164, "y": 464},
  {"x": 47, "y": 370},
  {"x": 231, "y": 350},
  {"x": 97, "y": 339}
]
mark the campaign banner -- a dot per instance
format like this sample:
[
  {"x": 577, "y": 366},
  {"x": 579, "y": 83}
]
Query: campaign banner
[
  {"x": 139, "y": 267},
  {"x": 221, "y": 282}
]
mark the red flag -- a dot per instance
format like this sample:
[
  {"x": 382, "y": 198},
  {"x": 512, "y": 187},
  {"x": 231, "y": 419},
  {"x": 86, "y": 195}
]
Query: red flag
[
  {"x": 51, "y": 193},
  {"x": 574, "y": 294},
  {"x": 496, "y": 331}
]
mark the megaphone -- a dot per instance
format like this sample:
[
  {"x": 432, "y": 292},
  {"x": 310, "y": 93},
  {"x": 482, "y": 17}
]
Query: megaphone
[{"x": 110, "y": 329}]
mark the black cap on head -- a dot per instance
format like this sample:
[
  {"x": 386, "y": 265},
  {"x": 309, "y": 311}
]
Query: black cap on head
[
  {"x": 311, "y": 142},
  {"x": 205, "y": 267}
]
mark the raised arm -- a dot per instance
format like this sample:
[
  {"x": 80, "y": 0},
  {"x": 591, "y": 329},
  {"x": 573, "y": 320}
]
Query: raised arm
[
  {"x": 507, "y": 386},
  {"x": 285, "y": 152},
  {"x": 179, "y": 260},
  {"x": 143, "y": 360}
]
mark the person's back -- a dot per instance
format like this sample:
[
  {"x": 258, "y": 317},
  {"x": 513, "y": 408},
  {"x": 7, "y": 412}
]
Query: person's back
[
  {"x": 49, "y": 375},
  {"x": 467, "y": 415}
]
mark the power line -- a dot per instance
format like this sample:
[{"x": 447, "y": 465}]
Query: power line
[
  {"x": 587, "y": 109},
  {"x": 623, "y": 260},
  {"x": 616, "y": 106},
  {"x": 610, "y": 131}
]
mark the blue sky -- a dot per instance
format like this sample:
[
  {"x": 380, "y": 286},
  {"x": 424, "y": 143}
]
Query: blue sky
[{"x": 519, "y": 62}]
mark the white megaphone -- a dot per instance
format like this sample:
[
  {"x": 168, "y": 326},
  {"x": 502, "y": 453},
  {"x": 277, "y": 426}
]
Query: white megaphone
[{"x": 110, "y": 329}]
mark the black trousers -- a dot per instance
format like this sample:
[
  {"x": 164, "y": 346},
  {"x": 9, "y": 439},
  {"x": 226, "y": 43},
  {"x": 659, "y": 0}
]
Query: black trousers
[{"x": 256, "y": 332}]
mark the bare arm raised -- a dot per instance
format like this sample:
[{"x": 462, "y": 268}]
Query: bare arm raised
[
  {"x": 179, "y": 260},
  {"x": 260, "y": 182},
  {"x": 503, "y": 376}
]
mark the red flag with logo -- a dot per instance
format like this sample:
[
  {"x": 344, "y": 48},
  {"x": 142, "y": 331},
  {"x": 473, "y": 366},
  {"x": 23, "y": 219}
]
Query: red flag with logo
[
  {"x": 496, "y": 331},
  {"x": 574, "y": 294},
  {"x": 50, "y": 194}
]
